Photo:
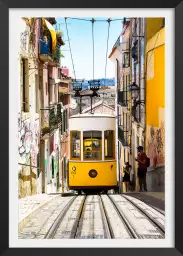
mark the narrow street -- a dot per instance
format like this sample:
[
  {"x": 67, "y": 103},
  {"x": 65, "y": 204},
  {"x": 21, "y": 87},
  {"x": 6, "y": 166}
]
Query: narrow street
[{"x": 91, "y": 128}]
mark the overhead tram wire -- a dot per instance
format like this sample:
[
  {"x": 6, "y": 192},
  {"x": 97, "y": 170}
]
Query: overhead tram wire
[
  {"x": 93, "y": 20},
  {"x": 109, "y": 20},
  {"x": 82, "y": 19},
  {"x": 70, "y": 49}
]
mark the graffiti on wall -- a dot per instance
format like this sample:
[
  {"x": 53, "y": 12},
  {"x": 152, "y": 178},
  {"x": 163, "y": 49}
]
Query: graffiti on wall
[
  {"x": 24, "y": 137},
  {"x": 156, "y": 142},
  {"x": 28, "y": 141}
]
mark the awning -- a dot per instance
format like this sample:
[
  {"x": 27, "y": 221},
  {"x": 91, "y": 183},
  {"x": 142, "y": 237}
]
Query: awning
[
  {"x": 64, "y": 90},
  {"x": 53, "y": 34}
]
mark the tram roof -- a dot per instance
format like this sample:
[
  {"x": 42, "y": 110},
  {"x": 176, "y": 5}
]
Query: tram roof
[{"x": 92, "y": 115}]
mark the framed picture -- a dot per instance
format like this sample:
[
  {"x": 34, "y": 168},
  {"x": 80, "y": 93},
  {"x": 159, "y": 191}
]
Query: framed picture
[{"x": 9, "y": 140}]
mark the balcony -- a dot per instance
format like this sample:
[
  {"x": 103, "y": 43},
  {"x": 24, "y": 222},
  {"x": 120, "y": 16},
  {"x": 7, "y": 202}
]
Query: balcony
[
  {"x": 46, "y": 54},
  {"x": 123, "y": 136},
  {"x": 52, "y": 119},
  {"x": 122, "y": 98},
  {"x": 135, "y": 114}
]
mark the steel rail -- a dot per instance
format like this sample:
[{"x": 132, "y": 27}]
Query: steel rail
[
  {"x": 157, "y": 223},
  {"x": 51, "y": 232}
]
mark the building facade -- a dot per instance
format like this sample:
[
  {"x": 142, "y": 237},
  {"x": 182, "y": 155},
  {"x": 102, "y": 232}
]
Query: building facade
[
  {"x": 28, "y": 114},
  {"x": 42, "y": 115},
  {"x": 155, "y": 107},
  {"x": 141, "y": 119}
]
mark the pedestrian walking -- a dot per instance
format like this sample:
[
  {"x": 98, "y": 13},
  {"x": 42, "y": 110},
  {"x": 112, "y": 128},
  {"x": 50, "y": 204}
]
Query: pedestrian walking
[
  {"x": 126, "y": 178},
  {"x": 142, "y": 168}
]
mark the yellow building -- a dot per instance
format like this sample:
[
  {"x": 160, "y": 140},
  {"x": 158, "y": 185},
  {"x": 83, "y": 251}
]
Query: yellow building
[
  {"x": 146, "y": 34},
  {"x": 155, "y": 104}
]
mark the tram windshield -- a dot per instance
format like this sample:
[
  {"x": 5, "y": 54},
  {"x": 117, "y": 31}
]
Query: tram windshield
[{"x": 92, "y": 149}]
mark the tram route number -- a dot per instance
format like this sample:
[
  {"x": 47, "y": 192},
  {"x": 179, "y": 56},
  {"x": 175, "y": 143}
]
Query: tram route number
[{"x": 73, "y": 172}]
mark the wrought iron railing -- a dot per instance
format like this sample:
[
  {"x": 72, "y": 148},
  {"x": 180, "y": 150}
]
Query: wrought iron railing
[
  {"x": 53, "y": 118},
  {"x": 136, "y": 113},
  {"x": 122, "y": 98},
  {"x": 123, "y": 136}
]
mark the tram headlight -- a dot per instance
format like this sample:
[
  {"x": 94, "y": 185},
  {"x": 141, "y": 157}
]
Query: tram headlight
[{"x": 93, "y": 173}]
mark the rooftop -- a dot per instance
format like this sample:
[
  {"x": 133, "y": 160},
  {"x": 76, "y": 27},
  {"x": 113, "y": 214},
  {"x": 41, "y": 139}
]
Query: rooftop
[{"x": 92, "y": 115}]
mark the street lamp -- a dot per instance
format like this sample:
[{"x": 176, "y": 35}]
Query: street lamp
[{"x": 134, "y": 90}]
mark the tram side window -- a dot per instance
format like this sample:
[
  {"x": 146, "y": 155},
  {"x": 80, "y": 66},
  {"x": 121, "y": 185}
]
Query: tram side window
[
  {"x": 109, "y": 144},
  {"x": 92, "y": 149},
  {"x": 75, "y": 145}
]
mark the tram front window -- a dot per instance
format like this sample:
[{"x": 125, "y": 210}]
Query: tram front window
[
  {"x": 109, "y": 144},
  {"x": 92, "y": 149},
  {"x": 75, "y": 145}
]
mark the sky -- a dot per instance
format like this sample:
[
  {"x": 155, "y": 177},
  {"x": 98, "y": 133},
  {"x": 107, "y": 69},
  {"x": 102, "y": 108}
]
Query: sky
[{"x": 80, "y": 34}]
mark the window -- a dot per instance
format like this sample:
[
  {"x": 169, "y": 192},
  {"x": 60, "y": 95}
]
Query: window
[
  {"x": 108, "y": 145},
  {"x": 135, "y": 51},
  {"x": 92, "y": 149},
  {"x": 75, "y": 145},
  {"x": 126, "y": 59},
  {"x": 25, "y": 85}
]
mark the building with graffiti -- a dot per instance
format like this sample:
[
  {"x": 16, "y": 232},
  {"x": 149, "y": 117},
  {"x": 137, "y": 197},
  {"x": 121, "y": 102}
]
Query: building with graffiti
[
  {"x": 28, "y": 115},
  {"x": 43, "y": 114}
]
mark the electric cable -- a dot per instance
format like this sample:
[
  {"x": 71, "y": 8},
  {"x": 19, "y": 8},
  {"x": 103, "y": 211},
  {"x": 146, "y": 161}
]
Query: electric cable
[{"x": 70, "y": 48}]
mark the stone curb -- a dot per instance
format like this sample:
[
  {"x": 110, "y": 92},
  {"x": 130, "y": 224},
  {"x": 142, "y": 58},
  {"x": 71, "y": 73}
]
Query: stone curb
[{"x": 24, "y": 221}]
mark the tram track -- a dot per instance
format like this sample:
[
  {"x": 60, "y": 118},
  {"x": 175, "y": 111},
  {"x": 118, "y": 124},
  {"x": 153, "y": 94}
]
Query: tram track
[
  {"x": 138, "y": 221},
  {"x": 155, "y": 216},
  {"x": 101, "y": 217},
  {"x": 109, "y": 217}
]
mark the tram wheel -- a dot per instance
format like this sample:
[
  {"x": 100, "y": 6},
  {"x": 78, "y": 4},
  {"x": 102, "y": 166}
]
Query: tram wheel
[{"x": 79, "y": 192}]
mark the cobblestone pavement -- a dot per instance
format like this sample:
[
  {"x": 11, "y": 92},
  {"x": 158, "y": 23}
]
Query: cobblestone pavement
[
  {"x": 38, "y": 224},
  {"x": 28, "y": 205}
]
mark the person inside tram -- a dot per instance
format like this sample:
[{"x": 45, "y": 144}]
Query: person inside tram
[{"x": 126, "y": 178}]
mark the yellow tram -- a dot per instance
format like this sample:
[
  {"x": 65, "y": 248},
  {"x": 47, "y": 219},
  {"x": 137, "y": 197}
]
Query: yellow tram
[{"x": 92, "y": 161}]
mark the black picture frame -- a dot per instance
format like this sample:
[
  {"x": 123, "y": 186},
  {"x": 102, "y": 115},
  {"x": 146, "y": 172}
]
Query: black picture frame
[{"x": 4, "y": 126}]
